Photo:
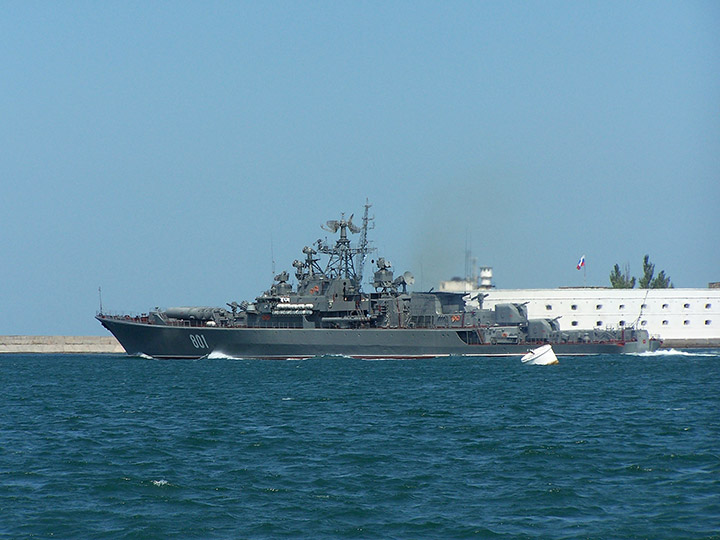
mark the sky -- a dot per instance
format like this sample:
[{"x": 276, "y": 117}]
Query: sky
[{"x": 174, "y": 153}]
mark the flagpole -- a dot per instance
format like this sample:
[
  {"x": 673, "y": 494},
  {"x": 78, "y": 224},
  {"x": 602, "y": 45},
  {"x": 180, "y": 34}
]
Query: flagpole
[{"x": 581, "y": 264}]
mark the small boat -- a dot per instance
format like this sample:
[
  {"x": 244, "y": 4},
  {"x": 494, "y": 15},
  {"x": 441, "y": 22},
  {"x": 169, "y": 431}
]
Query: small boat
[{"x": 542, "y": 356}]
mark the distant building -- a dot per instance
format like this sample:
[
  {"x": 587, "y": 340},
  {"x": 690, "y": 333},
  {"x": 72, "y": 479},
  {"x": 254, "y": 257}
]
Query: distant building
[{"x": 680, "y": 317}]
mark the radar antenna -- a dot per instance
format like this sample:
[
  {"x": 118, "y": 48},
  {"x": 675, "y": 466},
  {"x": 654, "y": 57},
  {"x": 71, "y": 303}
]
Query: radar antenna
[
  {"x": 331, "y": 226},
  {"x": 343, "y": 257},
  {"x": 363, "y": 249},
  {"x": 353, "y": 228}
]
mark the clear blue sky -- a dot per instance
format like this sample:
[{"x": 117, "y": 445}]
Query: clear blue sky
[{"x": 159, "y": 149}]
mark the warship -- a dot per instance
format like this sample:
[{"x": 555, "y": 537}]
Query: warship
[{"x": 327, "y": 313}]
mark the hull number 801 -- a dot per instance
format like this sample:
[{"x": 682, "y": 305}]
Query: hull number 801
[{"x": 198, "y": 341}]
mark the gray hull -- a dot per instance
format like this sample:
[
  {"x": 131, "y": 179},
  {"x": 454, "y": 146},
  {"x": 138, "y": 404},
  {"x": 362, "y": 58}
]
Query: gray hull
[{"x": 200, "y": 341}]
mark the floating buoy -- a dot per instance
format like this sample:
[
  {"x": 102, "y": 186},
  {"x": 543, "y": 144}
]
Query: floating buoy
[{"x": 542, "y": 356}]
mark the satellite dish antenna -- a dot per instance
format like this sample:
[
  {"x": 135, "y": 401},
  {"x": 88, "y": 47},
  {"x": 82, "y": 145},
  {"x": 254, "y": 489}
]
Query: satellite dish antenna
[{"x": 406, "y": 279}]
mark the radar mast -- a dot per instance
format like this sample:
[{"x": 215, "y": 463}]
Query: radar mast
[{"x": 342, "y": 256}]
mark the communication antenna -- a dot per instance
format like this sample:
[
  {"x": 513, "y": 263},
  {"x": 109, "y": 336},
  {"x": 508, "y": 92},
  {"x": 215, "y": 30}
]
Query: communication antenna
[
  {"x": 364, "y": 249},
  {"x": 100, "y": 295},
  {"x": 272, "y": 255},
  {"x": 467, "y": 254}
]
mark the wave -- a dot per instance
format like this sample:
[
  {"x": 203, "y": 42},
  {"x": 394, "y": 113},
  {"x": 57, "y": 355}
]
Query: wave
[
  {"x": 677, "y": 352},
  {"x": 142, "y": 355},
  {"x": 217, "y": 355}
]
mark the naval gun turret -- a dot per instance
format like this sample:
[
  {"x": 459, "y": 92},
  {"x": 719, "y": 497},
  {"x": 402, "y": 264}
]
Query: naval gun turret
[{"x": 282, "y": 287}]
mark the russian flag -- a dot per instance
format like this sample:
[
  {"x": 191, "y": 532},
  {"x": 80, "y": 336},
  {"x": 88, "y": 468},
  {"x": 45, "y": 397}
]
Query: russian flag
[{"x": 581, "y": 262}]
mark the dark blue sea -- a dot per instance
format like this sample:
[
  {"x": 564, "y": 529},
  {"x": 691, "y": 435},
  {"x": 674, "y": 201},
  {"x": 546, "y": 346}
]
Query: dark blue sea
[{"x": 333, "y": 448}]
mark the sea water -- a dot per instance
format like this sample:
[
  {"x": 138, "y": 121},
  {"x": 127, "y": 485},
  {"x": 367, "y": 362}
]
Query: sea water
[{"x": 594, "y": 447}]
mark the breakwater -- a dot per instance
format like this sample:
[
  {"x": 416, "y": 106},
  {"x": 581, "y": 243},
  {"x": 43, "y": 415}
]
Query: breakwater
[{"x": 60, "y": 344}]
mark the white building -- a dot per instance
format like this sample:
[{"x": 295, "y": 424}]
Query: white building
[{"x": 680, "y": 317}]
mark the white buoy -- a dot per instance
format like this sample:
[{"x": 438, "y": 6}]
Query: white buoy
[{"x": 542, "y": 356}]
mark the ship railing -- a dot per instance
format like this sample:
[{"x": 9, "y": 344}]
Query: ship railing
[
  {"x": 127, "y": 316},
  {"x": 145, "y": 319}
]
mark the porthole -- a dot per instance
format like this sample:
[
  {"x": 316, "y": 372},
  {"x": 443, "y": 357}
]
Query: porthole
[
  {"x": 644, "y": 306},
  {"x": 622, "y": 323},
  {"x": 686, "y": 306},
  {"x": 573, "y": 307},
  {"x": 599, "y": 306},
  {"x": 665, "y": 306},
  {"x": 643, "y": 323},
  {"x": 665, "y": 323},
  {"x": 622, "y": 306},
  {"x": 708, "y": 306},
  {"x": 686, "y": 323},
  {"x": 598, "y": 323},
  {"x": 707, "y": 323},
  {"x": 574, "y": 323},
  {"x": 548, "y": 307}
]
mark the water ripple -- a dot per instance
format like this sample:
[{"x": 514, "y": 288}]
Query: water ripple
[{"x": 601, "y": 447}]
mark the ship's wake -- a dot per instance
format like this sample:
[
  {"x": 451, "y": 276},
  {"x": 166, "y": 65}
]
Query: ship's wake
[
  {"x": 217, "y": 355},
  {"x": 679, "y": 353}
]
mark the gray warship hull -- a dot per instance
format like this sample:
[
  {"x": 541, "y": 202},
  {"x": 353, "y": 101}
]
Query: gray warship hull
[{"x": 282, "y": 343}]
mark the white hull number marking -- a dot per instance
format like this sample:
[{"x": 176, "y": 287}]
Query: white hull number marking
[{"x": 198, "y": 341}]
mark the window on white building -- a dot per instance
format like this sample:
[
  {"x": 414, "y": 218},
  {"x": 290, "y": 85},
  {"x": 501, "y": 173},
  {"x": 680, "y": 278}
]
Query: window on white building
[{"x": 665, "y": 323}]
